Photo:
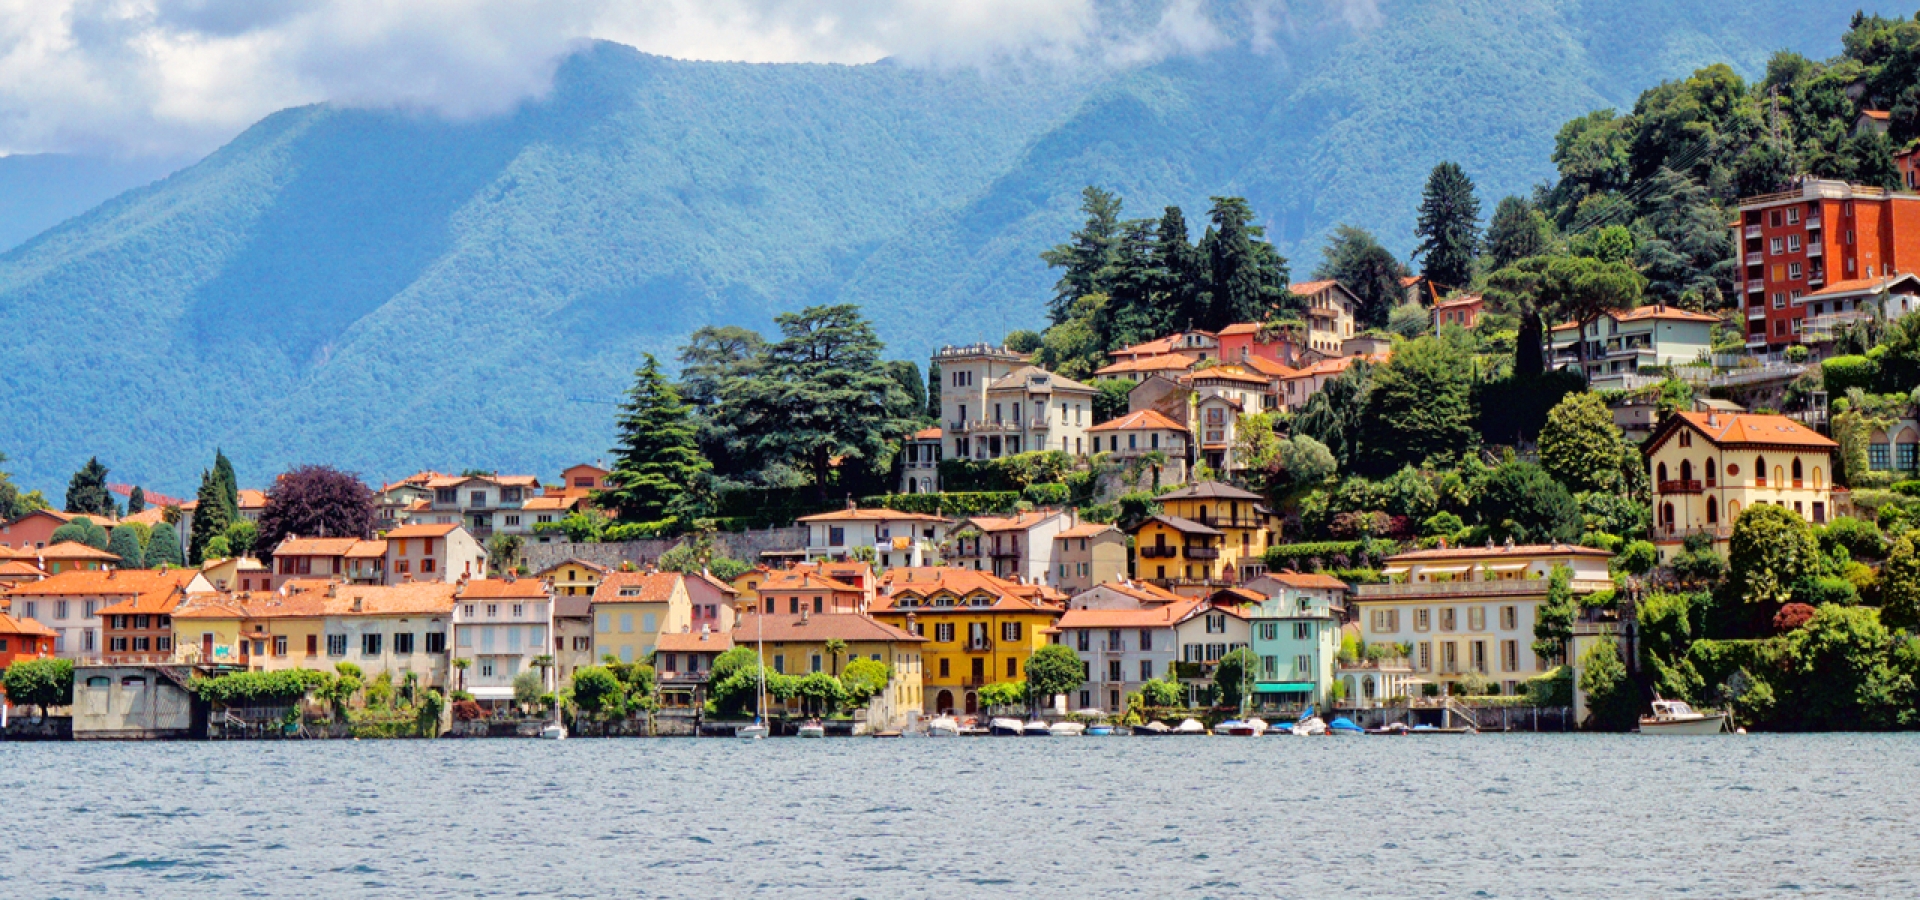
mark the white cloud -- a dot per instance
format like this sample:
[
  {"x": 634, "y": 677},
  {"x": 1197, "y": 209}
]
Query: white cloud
[{"x": 172, "y": 76}]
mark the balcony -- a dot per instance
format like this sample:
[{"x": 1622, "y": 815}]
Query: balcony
[
  {"x": 1229, "y": 522},
  {"x": 1159, "y": 552},
  {"x": 1678, "y": 486},
  {"x": 1518, "y": 587},
  {"x": 1756, "y": 286},
  {"x": 1813, "y": 223},
  {"x": 1753, "y": 231},
  {"x": 978, "y": 645},
  {"x": 1815, "y": 249},
  {"x": 1008, "y": 553},
  {"x": 1203, "y": 553}
]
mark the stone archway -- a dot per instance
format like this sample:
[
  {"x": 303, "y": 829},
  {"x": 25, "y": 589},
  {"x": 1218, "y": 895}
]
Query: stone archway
[
  {"x": 943, "y": 702},
  {"x": 973, "y": 703}
]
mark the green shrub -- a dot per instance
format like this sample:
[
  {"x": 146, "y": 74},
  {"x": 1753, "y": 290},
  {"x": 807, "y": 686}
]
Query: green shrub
[
  {"x": 1326, "y": 554},
  {"x": 1637, "y": 558},
  {"x": 945, "y": 504},
  {"x": 1861, "y": 539},
  {"x": 1842, "y": 373},
  {"x": 1821, "y": 589},
  {"x": 1053, "y": 494}
]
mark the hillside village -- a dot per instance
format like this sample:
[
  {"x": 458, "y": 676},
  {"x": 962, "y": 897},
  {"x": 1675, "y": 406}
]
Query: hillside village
[{"x": 1650, "y": 433}]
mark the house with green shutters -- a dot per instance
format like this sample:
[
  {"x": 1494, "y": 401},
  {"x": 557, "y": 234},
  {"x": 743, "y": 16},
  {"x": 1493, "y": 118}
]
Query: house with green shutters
[{"x": 1296, "y": 637}]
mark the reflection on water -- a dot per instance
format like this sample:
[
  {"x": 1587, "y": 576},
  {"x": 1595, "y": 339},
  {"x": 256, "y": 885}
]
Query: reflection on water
[{"x": 1492, "y": 815}]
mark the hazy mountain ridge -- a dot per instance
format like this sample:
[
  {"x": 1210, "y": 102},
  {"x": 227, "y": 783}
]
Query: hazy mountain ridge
[{"x": 385, "y": 291}]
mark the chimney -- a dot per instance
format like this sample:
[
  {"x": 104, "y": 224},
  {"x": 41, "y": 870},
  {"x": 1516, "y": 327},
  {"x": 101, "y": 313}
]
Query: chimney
[
  {"x": 333, "y": 590},
  {"x": 358, "y": 604},
  {"x": 1443, "y": 543},
  {"x": 804, "y": 613}
]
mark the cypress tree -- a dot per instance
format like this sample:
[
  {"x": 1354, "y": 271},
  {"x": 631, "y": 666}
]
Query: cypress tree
[
  {"x": 229, "y": 484},
  {"x": 656, "y": 458},
  {"x": 1449, "y": 226},
  {"x": 87, "y": 490},
  {"x": 124, "y": 542},
  {"x": 933, "y": 391},
  {"x": 136, "y": 501},
  {"x": 163, "y": 547},
  {"x": 210, "y": 518}
]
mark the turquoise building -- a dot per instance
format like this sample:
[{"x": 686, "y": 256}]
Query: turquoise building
[{"x": 1296, "y": 637}]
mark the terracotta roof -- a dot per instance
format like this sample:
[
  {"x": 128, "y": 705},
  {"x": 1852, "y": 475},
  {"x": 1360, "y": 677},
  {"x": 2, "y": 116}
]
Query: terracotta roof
[
  {"x": 1268, "y": 367},
  {"x": 1184, "y": 526},
  {"x": 1656, "y": 311},
  {"x": 1164, "y": 615},
  {"x": 652, "y": 587},
  {"x": 367, "y": 549},
  {"x": 1499, "y": 550},
  {"x": 14, "y": 567},
  {"x": 1877, "y": 114},
  {"x": 162, "y": 600},
  {"x": 870, "y": 515},
  {"x": 299, "y": 546},
  {"x": 576, "y": 561},
  {"x": 693, "y": 642},
  {"x": 789, "y": 628},
  {"x": 114, "y": 582},
  {"x": 1863, "y": 286},
  {"x": 1237, "y": 595},
  {"x": 797, "y": 579},
  {"x": 1742, "y": 429},
  {"x": 1206, "y": 608},
  {"x": 1462, "y": 300},
  {"x": 1021, "y": 378},
  {"x": 1161, "y": 363},
  {"x": 924, "y": 582},
  {"x": 421, "y": 598},
  {"x": 252, "y": 499},
  {"x": 11, "y": 625},
  {"x": 422, "y": 530},
  {"x": 1211, "y": 490},
  {"x": 1086, "y": 530},
  {"x": 502, "y": 589},
  {"x": 1308, "y": 288},
  {"x": 72, "y": 550},
  {"x": 1145, "y": 592},
  {"x": 152, "y": 515},
  {"x": 1145, "y": 418},
  {"x": 1307, "y": 580},
  {"x": 1230, "y": 372},
  {"x": 537, "y": 504},
  {"x": 1239, "y": 328},
  {"x": 928, "y": 434},
  {"x": 1015, "y": 522}
]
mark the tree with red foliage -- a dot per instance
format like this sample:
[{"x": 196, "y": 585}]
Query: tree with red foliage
[
  {"x": 1791, "y": 617},
  {"x": 315, "y": 501}
]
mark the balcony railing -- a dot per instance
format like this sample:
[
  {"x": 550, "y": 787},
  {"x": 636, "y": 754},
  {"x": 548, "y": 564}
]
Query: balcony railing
[
  {"x": 1229, "y": 521},
  {"x": 1815, "y": 249},
  {"x": 1512, "y": 587},
  {"x": 1670, "y": 532},
  {"x": 978, "y": 645},
  {"x": 1203, "y": 553},
  {"x": 1753, "y": 231},
  {"x": 1678, "y": 486},
  {"x": 1153, "y": 551}
]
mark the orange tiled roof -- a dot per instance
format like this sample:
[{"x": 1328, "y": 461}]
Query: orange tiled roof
[
  {"x": 14, "y": 567},
  {"x": 556, "y": 503},
  {"x": 11, "y": 625},
  {"x": 870, "y": 515},
  {"x": 654, "y": 587},
  {"x": 503, "y": 589},
  {"x": 1309, "y": 288},
  {"x": 1307, "y": 580},
  {"x": 315, "y": 546},
  {"x": 162, "y": 601},
  {"x": 1015, "y": 522},
  {"x": 1462, "y": 300},
  {"x": 1862, "y": 285},
  {"x": 74, "y": 550},
  {"x": 252, "y": 499},
  {"x": 1240, "y": 328},
  {"x": 1145, "y": 418},
  {"x": 797, "y": 579},
  {"x": 1161, "y": 363},
  {"x": 421, "y": 598},
  {"x": 422, "y": 530},
  {"x": 1228, "y": 373},
  {"x": 1268, "y": 367},
  {"x": 108, "y": 583},
  {"x": 1161, "y": 615},
  {"x": 152, "y": 515},
  {"x": 923, "y": 582},
  {"x": 789, "y": 628},
  {"x": 1737, "y": 429},
  {"x": 1086, "y": 530},
  {"x": 693, "y": 642},
  {"x": 928, "y": 434},
  {"x": 575, "y": 561}
]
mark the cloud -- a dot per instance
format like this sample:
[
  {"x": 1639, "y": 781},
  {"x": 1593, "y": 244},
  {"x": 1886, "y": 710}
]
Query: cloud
[{"x": 146, "y": 77}]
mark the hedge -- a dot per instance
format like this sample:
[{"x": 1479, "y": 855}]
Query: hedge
[
  {"x": 948, "y": 504},
  {"x": 1843, "y": 372},
  {"x": 259, "y": 688},
  {"x": 1325, "y": 554}
]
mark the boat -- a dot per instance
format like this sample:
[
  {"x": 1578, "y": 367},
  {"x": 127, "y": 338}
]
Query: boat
[
  {"x": 1676, "y": 717},
  {"x": 758, "y": 730},
  {"x": 813, "y": 729},
  {"x": 1280, "y": 728},
  {"x": 753, "y": 732},
  {"x": 1252, "y": 727},
  {"x": 1344, "y": 725},
  {"x": 1188, "y": 727},
  {"x": 1005, "y": 727},
  {"x": 1035, "y": 728},
  {"x": 1152, "y": 729},
  {"x": 886, "y": 734},
  {"x": 1390, "y": 728},
  {"x": 943, "y": 726},
  {"x": 1101, "y": 730},
  {"x": 1067, "y": 729},
  {"x": 1309, "y": 726},
  {"x": 554, "y": 732}
]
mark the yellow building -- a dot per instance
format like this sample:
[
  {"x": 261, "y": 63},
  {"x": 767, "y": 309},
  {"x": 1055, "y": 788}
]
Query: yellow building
[
  {"x": 979, "y": 630},
  {"x": 632, "y": 609},
  {"x": 797, "y": 645},
  {"x": 1208, "y": 535},
  {"x": 315, "y": 624},
  {"x": 1471, "y": 610},
  {"x": 574, "y": 577},
  {"x": 747, "y": 584},
  {"x": 1708, "y": 466}
]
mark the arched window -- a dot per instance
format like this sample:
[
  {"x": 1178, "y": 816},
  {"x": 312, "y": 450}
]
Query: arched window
[
  {"x": 1662, "y": 473},
  {"x": 1713, "y": 511},
  {"x": 1779, "y": 477},
  {"x": 1686, "y": 470},
  {"x": 1760, "y": 471},
  {"x": 1712, "y": 472},
  {"x": 1798, "y": 476},
  {"x": 1819, "y": 480},
  {"x": 1733, "y": 510},
  {"x": 1666, "y": 516}
]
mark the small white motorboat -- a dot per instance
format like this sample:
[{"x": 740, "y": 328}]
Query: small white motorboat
[
  {"x": 1003, "y": 726},
  {"x": 1676, "y": 717},
  {"x": 943, "y": 726},
  {"x": 1035, "y": 728},
  {"x": 813, "y": 729},
  {"x": 1067, "y": 729},
  {"x": 754, "y": 732},
  {"x": 1189, "y": 726},
  {"x": 554, "y": 732},
  {"x": 1310, "y": 726}
]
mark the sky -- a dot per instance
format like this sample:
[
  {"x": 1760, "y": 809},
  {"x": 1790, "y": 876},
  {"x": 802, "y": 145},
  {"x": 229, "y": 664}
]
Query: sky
[{"x": 133, "y": 78}]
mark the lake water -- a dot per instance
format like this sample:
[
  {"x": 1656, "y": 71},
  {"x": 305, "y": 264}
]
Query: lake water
[{"x": 1483, "y": 816}]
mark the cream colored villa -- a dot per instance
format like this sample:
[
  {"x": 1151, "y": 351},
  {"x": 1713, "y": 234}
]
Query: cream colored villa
[{"x": 1708, "y": 466}]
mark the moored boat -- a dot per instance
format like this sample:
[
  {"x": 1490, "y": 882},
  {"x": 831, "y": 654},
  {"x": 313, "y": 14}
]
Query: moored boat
[
  {"x": 1309, "y": 726},
  {"x": 1066, "y": 729},
  {"x": 1101, "y": 730},
  {"x": 1676, "y": 717},
  {"x": 1251, "y": 727},
  {"x": 1005, "y": 727},
  {"x": 1189, "y": 727},
  {"x": 943, "y": 726},
  {"x": 813, "y": 729},
  {"x": 753, "y": 732},
  {"x": 1344, "y": 725},
  {"x": 1153, "y": 729},
  {"x": 554, "y": 732},
  {"x": 1035, "y": 728}
]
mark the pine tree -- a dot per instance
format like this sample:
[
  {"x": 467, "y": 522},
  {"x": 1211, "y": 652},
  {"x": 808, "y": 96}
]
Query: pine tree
[
  {"x": 656, "y": 458},
  {"x": 136, "y": 501},
  {"x": 1448, "y": 227},
  {"x": 1517, "y": 232},
  {"x": 1133, "y": 311},
  {"x": 87, "y": 490},
  {"x": 124, "y": 542},
  {"x": 1084, "y": 257},
  {"x": 1246, "y": 277},
  {"x": 1176, "y": 261},
  {"x": 229, "y": 484},
  {"x": 1355, "y": 259},
  {"x": 210, "y": 518},
  {"x": 163, "y": 547}
]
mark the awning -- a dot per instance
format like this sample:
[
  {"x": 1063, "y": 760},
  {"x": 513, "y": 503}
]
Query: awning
[
  {"x": 1505, "y": 567},
  {"x": 1394, "y": 570},
  {"x": 1444, "y": 570},
  {"x": 491, "y": 693},
  {"x": 1283, "y": 687}
]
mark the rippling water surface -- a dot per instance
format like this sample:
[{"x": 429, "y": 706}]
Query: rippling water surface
[{"x": 1485, "y": 816}]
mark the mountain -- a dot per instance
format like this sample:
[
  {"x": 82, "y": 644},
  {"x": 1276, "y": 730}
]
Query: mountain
[
  {"x": 387, "y": 291},
  {"x": 41, "y": 190}
]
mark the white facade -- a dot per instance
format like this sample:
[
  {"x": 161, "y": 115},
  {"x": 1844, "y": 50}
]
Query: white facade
[
  {"x": 501, "y": 635},
  {"x": 896, "y": 538},
  {"x": 398, "y": 644}
]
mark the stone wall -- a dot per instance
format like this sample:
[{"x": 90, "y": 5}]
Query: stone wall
[{"x": 746, "y": 545}]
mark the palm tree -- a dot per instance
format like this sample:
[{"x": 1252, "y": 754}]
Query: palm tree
[
  {"x": 462, "y": 664},
  {"x": 836, "y": 647},
  {"x": 543, "y": 662}
]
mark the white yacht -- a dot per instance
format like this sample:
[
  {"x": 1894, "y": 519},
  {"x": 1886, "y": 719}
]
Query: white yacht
[{"x": 1676, "y": 717}]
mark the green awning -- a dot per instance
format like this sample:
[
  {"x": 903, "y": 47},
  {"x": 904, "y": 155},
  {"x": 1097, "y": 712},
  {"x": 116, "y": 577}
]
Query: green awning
[{"x": 1283, "y": 687}]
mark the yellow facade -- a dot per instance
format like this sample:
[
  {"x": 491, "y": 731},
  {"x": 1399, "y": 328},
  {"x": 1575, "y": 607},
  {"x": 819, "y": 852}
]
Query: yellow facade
[
  {"x": 803, "y": 657},
  {"x": 574, "y": 578},
  {"x": 1208, "y": 534},
  {"x": 978, "y": 632},
  {"x": 1707, "y": 468},
  {"x": 628, "y": 631}
]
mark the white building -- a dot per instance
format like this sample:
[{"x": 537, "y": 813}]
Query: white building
[
  {"x": 502, "y": 625},
  {"x": 896, "y": 538},
  {"x": 1620, "y": 344},
  {"x": 1206, "y": 634},
  {"x": 1121, "y": 649}
]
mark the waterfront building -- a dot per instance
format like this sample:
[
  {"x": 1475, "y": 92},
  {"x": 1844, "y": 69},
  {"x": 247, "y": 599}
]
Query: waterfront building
[
  {"x": 1088, "y": 554},
  {"x": 1708, "y": 466},
  {"x": 316, "y": 624},
  {"x": 1208, "y": 535},
  {"x": 805, "y": 588},
  {"x": 501, "y": 625},
  {"x": 980, "y": 629},
  {"x": 1471, "y": 610},
  {"x": 139, "y": 629},
  {"x": 1018, "y": 548},
  {"x": 69, "y": 602},
  {"x": 632, "y": 609},
  {"x": 894, "y": 538},
  {"x": 797, "y": 645},
  {"x": 572, "y": 634},
  {"x": 682, "y": 664},
  {"x": 1121, "y": 649},
  {"x": 1296, "y": 637},
  {"x": 1122, "y": 594},
  {"x": 22, "y": 639},
  {"x": 1207, "y": 633}
]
